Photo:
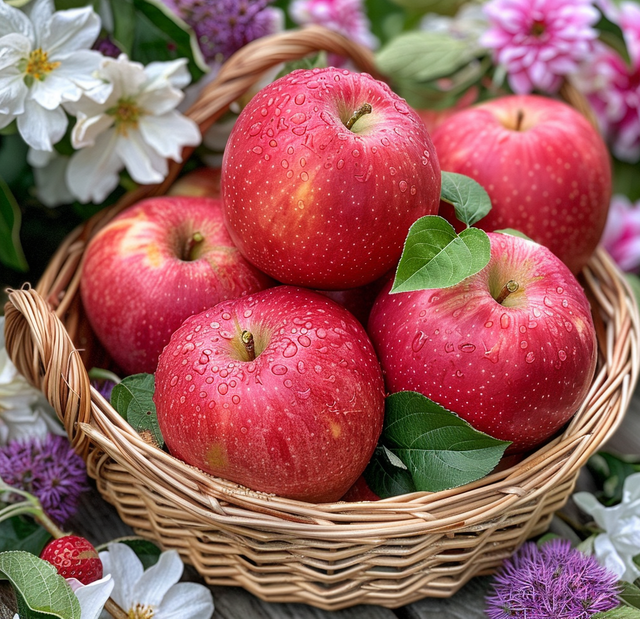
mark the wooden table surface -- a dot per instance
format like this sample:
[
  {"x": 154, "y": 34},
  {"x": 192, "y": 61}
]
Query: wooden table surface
[{"x": 99, "y": 522}]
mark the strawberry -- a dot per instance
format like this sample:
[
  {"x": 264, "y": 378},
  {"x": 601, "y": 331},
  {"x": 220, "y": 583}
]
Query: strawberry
[{"x": 74, "y": 557}]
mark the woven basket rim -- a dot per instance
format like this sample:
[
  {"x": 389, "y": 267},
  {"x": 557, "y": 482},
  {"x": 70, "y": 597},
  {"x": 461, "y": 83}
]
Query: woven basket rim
[{"x": 40, "y": 345}]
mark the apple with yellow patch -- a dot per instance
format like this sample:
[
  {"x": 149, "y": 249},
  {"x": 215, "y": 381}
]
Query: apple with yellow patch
[{"x": 152, "y": 266}]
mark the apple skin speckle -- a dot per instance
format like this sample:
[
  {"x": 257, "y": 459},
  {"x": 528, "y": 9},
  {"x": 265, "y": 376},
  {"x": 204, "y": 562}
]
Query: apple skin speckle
[
  {"x": 315, "y": 204},
  {"x": 136, "y": 289},
  {"x": 550, "y": 180},
  {"x": 300, "y": 420},
  {"x": 517, "y": 371}
]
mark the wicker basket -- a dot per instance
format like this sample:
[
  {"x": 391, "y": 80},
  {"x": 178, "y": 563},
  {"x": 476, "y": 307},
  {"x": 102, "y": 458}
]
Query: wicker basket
[{"x": 390, "y": 552}]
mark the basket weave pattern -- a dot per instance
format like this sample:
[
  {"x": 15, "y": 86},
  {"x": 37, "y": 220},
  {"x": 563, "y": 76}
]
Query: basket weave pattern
[{"x": 390, "y": 552}]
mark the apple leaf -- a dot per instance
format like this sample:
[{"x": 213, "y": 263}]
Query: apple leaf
[
  {"x": 439, "y": 449},
  {"x": 132, "y": 397},
  {"x": 468, "y": 197},
  {"x": 386, "y": 474},
  {"x": 41, "y": 592},
  {"x": 19, "y": 533},
  {"x": 630, "y": 593},
  {"x": 423, "y": 56},
  {"x": 513, "y": 232},
  {"x": 434, "y": 256},
  {"x": 621, "y": 612}
]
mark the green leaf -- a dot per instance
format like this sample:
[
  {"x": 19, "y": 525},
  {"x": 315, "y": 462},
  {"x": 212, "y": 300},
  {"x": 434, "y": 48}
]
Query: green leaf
[
  {"x": 468, "y": 197},
  {"x": 133, "y": 399},
  {"x": 609, "y": 472},
  {"x": 20, "y": 533},
  {"x": 11, "y": 253},
  {"x": 514, "y": 232},
  {"x": 547, "y": 537},
  {"x": 124, "y": 24},
  {"x": 423, "y": 56},
  {"x": 146, "y": 551},
  {"x": 444, "y": 7},
  {"x": 629, "y": 593},
  {"x": 434, "y": 256},
  {"x": 161, "y": 36},
  {"x": 440, "y": 449},
  {"x": 40, "y": 590},
  {"x": 386, "y": 475},
  {"x": 621, "y": 612},
  {"x": 318, "y": 61}
]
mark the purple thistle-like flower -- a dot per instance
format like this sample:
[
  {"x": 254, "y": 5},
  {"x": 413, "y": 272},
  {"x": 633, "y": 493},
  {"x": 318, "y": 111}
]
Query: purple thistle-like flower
[
  {"x": 107, "y": 47},
  {"x": 49, "y": 469},
  {"x": 540, "y": 41},
  {"x": 552, "y": 581},
  {"x": 224, "y": 26}
]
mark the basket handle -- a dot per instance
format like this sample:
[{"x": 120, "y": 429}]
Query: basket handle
[{"x": 42, "y": 351}]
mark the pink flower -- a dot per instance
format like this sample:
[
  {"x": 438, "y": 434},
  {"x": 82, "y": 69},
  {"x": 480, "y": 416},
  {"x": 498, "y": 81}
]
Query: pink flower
[
  {"x": 613, "y": 86},
  {"x": 347, "y": 17},
  {"x": 621, "y": 236},
  {"x": 538, "y": 42}
]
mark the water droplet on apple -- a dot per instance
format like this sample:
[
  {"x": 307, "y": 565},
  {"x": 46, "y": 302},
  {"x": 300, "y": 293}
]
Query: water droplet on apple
[
  {"x": 401, "y": 107},
  {"x": 222, "y": 388},
  {"x": 257, "y": 150},
  {"x": 505, "y": 321},
  {"x": 299, "y": 99},
  {"x": 255, "y": 129},
  {"x": 226, "y": 316},
  {"x": 211, "y": 405},
  {"x": 321, "y": 333},
  {"x": 449, "y": 347},
  {"x": 456, "y": 313},
  {"x": 403, "y": 185},
  {"x": 174, "y": 380},
  {"x": 304, "y": 176},
  {"x": 304, "y": 395},
  {"x": 340, "y": 164},
  {"x": 243, "y": 430},
  {"x": 385, "y": 141},
  {"x": 235, "y": 399},
  {"x": 533, "y": 324},
  {"x": 559, "y": 289},
  {"x": 214, "y": 325},
  {"x": 523, "y": 329},
  {"x": 288, "y": 383},
  {"x": 290, "y": 350},
  {"x": 530, "y": 358},
  {"x": 523, "y": 344},
  {"x": 355, "y": 152},
  {"x": 300, "y": 130},
  {"x": 279, "y": 370},
  {"x": 418, "y": 341},
  {"x": 468, "y": 348},
  {"x": 568, "y": 326},
  {"x": 208, "y": 380},
  {"x": 565, "y": 303},
  {"x": 392, "y": 171},
  {"x": 459, "y": 374},
  {"x": 317, "y": 369},
  {"x": 312, "y": 84},
  {"x": 273, "y": 143},
  {"x": 488, "y": 324},
  {"x": 413, "y": 190},
  {"x": 536, "y": 312},
  {"x": 188, "y": 347},
  {"x": 264, "y": 111},
  {"x": 301, "y": 367},
  {"x": 290, "y": 174},
  {"x": 303, "y": 340},
  {"x": 548, "y": 302},
  {"x": 563, "y": 355}
]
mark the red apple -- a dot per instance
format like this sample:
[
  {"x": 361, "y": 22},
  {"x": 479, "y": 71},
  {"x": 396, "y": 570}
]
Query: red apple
[
  {"x": 324, "y": 172},
  {"x": 295, "y": 409},
  {"x": 200, "y": 183},
  {"x": 546, "y": 169},
  {"x": 516, "y": 368},
  {"x": 153, "y": 265}
]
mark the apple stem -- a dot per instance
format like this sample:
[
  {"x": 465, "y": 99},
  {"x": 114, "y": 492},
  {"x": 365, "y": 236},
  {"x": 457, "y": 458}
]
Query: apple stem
[
  {"x": 519, "y": 119},
  {"x": 249, "y": 345},
  {"x": 191, "y": 245},
  {"x": 365, "y": 108},
  {"x": 510, "y": 287}
]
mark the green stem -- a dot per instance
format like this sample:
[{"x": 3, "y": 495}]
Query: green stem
[
  {"x": 510, "y": 287},
  {"x": 365, "y": 108}
]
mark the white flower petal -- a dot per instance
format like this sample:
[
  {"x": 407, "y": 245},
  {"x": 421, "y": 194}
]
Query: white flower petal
[
  {"x": 41, "y": 128},
  {"x": 160, "y": 101},
  {"x": 13, "y": 48},
  {"x": 126, "y": 76},
  {"x": 175, "y": 71},
  {"x": 51, "y": 184},
  {"x": 80, "y": 68},
  {"x": 186, "y": 600},
  {"x": 141, "y": 161},
  {"x": 607, "y": 555},
  {"x": 92, "y": 597},
  {"x": 12, "y": 20},
  {"x": 127, "y": 570},
  {"x": 40, "y": 13},
  {"x": 168, "y": 133},
  {"x": 86, "y": 130},
  {"x": 13, "y": 93},
  {"x": 52, "y": 91},
  {"x": 586, "y": 502},
  {"x": 158, "y": 579},
  {"x": 92, "y": 173},
  {"x": 631, "y": 488},
  {"x": 5, "y": 119},
  {"x": 71, "y": 30}
]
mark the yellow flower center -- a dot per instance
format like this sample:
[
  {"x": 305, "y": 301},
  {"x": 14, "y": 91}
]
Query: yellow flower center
[
  {"x": 141, "y": 612},
  {"x": 38, "y": 65},
  {"x": 127, "y": 114}
]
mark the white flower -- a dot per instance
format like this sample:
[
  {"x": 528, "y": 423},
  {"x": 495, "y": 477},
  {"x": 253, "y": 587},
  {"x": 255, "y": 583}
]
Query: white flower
[
  {"x": 45, "y": 61},
  {"x": 619, "y": 542},
  {"x": 92, "y": 597},
  {"x": 137, "y": 127},
  {"x": 49, "y": 171},
  {"x": 155, "y": 592},
  {"x": 24, "y": 412}
]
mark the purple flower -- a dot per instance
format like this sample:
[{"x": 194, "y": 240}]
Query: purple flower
[
  {"x": 224, "y": 26},
  {"x": 104, "y": 387},
  {"x": 107, "y": 47},
  {"x": 538, "y": 42},
  {"x": 344, "y": 16},
  {"x": 551, "y": 581},
  {"x": 621, "y": 236},
  {"x": 47, "y": 468},
  {"x": 613, "y": 86}
]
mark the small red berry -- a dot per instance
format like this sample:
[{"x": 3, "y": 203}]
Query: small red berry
[{"x": 74, "y": 557}]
